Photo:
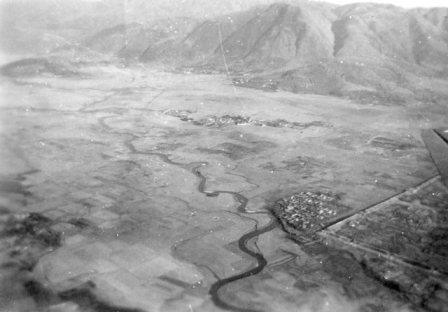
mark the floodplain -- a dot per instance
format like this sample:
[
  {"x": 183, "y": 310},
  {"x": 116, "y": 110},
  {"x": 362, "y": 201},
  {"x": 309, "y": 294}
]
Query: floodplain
[{"x": 160, "y": 186}]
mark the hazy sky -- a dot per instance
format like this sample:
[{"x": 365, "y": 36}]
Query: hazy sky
[{"x": 402, "y": 3}]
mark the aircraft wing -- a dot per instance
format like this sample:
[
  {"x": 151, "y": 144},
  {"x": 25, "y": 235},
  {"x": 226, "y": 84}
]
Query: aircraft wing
[{"x": 436, "y": 141}]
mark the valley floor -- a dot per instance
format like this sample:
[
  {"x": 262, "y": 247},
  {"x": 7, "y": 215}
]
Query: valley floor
[{"x": 140, "y": 190}]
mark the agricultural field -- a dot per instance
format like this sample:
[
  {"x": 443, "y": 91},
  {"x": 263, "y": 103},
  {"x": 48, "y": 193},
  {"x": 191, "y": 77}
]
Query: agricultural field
[{"x": 136, "y": 189}]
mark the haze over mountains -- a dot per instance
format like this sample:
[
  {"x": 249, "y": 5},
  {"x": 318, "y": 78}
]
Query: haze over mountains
[{"x": 364, "y": 51}]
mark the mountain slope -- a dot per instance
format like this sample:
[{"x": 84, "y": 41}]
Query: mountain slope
[
  {"x": 364, "y": 51},
  {"x": 372, "y": 52}
]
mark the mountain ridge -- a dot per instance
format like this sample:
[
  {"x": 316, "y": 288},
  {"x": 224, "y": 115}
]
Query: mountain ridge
[{"x": 313, "y": 47}]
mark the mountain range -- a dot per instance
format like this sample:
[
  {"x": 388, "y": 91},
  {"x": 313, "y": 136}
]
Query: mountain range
[{"x": 371, "y": 52}]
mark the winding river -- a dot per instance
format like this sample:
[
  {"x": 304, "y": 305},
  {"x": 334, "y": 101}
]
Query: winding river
[
  {"x": 243, "y": 241},
  {"x": 242, "y": 245}
]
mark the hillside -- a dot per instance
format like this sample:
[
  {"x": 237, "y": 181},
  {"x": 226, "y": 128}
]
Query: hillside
[
  {"x": 363, "y": 51},
  {"x": 368, "y": 52},
  {"x": 290, "y": 35},
  {"x": 38, "y": 26},
  {"x": 38, "y": 66}
]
